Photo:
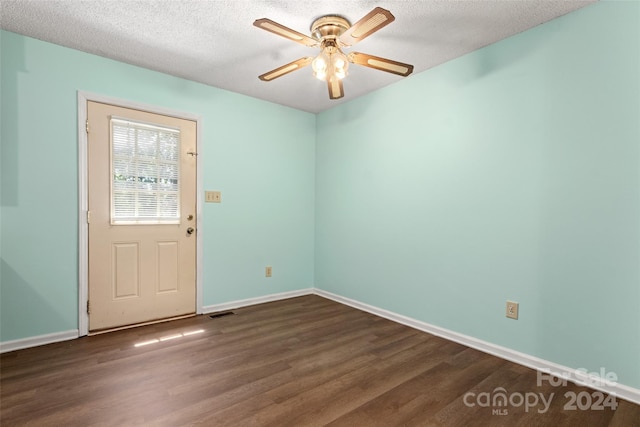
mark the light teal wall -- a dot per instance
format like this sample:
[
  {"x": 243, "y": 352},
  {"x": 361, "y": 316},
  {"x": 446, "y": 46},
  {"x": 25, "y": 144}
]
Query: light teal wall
[
  {"x": 260, "y": 155},
  {"x": 510, "y": 173}
]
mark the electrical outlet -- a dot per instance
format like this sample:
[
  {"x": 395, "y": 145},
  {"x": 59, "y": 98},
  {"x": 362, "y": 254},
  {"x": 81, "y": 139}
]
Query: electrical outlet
[
  {"x": 512, "y": 310},
  {"x": 267, "y": 272},
  {"x": 212, "y": 196}
]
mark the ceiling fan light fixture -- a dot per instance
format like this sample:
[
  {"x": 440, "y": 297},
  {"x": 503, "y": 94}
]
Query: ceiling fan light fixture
[{"x": 331, "y": 62}]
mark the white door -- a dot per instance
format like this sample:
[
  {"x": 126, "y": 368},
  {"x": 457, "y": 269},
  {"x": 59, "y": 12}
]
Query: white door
[{"x": 142, "y": 207}]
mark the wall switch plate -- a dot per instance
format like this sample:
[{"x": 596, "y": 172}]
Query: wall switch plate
[
  {"x": 512, "y": 310},
  {"x": 212, "y": 196},
  {"x": 267, "y": 272}
]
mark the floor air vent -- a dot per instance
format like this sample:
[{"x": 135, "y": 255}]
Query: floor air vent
[{"x": 221, "y": 314}]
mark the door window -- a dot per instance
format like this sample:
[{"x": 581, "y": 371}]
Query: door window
[{"x": 145, "y": 165}]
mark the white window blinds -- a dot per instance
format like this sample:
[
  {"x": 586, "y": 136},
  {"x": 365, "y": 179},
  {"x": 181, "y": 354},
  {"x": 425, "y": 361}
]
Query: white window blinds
[{"x": 145, "y": 164}]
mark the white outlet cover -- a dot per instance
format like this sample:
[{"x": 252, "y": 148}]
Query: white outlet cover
[{"x": 512, "y": 309}]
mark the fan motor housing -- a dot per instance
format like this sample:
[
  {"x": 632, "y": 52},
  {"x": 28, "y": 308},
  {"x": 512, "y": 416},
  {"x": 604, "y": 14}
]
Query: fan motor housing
[{"x": 329, "y": 26}]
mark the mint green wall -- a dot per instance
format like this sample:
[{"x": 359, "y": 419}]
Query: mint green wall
[
  {"x": 510, "y": 173},
  {"x": 260, "y": 155}
]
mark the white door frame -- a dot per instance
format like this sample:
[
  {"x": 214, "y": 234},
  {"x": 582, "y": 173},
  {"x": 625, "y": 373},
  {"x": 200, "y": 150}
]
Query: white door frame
[{"x": 83, "y": 196}]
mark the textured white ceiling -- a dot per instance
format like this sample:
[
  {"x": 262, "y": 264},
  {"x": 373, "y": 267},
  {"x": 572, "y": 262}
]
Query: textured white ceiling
[{"x": 215, "y": 43}]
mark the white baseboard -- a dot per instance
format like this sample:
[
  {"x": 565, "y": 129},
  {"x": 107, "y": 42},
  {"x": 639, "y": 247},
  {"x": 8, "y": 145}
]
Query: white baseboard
[
  {"x": 7, "y": 346},
  {"x": 257, "y": 300},
  {"x": 550, "y": 368}
]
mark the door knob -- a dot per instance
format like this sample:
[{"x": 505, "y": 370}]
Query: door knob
[{"x": 190, "y": 230}]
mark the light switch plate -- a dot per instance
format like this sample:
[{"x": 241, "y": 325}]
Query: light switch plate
[{"x": 212, "y": 197}]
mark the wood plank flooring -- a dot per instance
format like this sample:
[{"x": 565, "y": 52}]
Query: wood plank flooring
[{"x": 305, "y": 361}]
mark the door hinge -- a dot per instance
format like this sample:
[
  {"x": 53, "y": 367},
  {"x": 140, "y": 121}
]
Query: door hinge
[
  {"x": 88, "y": 217},
  {"x": 86, "y": 126},
  {"x": 88, "y": 308}
]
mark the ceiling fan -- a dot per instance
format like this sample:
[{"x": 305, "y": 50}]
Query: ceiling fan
[{"x": 331, "y": 33}]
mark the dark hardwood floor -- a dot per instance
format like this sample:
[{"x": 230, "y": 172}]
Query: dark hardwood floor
[{"x": 297, "y": 362}]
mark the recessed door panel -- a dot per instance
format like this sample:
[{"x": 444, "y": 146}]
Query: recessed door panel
[
  {"x": 125, "y": 280},
  {"x": 167, "y": 266}
]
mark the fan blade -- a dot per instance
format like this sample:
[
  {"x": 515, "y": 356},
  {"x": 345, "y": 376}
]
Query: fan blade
[
  {"x": 288, "y": 33},
  {"x": 369, "y": 24},
  {"x": 336, "y": 90},
  {"x": 382, "y": 64},
  {"x": 286, "y": 69}
]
